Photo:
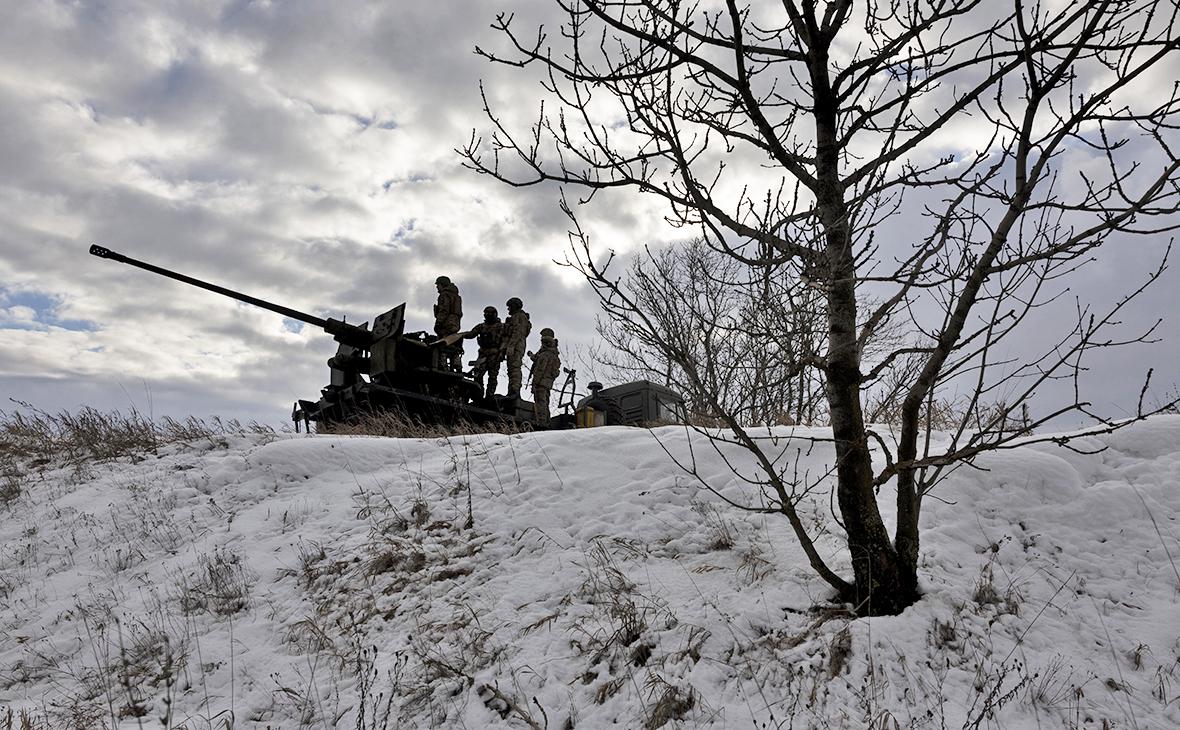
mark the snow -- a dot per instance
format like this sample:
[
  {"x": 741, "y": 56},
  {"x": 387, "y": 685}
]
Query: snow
[{"x": 579, "y": 579}]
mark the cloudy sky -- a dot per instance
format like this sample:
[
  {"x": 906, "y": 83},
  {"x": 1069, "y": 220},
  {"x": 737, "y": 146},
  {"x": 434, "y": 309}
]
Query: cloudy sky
[{"x": 302, "y": 152}]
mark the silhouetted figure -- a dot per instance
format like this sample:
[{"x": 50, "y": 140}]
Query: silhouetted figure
[
  {"x": 516, "y": 333},
  {"x": 546, "y": 368},
  {"x": 448, "y": 313},
  {"x": 489, "y": 335}
]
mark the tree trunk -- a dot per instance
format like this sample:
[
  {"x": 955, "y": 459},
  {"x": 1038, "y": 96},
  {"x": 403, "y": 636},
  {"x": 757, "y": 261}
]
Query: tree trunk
[{"x": 880, "y": 587}]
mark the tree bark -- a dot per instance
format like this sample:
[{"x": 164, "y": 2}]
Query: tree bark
[{"x": 878, "y": 587}]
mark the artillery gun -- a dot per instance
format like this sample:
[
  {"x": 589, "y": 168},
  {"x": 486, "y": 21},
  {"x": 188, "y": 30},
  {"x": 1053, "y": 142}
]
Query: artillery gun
[
  {"x": 409, "y": 372},
  {"x": 406, "y": 372}
]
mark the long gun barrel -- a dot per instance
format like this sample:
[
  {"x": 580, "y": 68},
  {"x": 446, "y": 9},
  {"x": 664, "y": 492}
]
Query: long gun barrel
[{"x": 343, "y": 332}]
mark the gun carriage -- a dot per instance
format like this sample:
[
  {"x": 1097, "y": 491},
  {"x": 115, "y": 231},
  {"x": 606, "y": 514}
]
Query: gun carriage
[{"x": 388, "y": 369}]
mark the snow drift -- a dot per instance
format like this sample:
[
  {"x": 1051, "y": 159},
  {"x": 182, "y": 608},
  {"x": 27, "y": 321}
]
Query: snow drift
[{"x": 577, "y": 580}]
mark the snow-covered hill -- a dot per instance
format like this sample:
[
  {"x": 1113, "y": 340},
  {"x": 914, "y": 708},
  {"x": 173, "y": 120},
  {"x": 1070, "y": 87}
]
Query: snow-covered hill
[{"x": 576, "y": 580}]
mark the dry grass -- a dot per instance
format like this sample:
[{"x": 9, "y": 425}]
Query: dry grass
[
  {"x": 36, "y": 435},
  {"x": 669, "y": 702},
  {"x": 219, "y": 584},
  {"x": 394, "y": 424},
  {"x": 23, "y": 720},
  {"x": 40, "y": 437},
  {"x": 11, "y": 485}
]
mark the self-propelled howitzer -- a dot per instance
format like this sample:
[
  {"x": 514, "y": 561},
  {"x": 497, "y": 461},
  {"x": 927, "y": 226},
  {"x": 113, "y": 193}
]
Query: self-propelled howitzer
[{"x": 408, "y": 372}]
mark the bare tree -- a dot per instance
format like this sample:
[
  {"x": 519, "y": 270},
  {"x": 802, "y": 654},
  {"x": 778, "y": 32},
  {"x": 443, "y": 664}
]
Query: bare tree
[
  {"x": 955, "y": 159},
  {"x": 738, "y": 341},
  {"x": 730, "y": 338}
]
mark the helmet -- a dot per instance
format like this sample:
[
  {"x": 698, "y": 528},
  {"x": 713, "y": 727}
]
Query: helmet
[
  {"x": 547, "y": 332},
  {"x": 491, "y": 310},
  {"x": 514, "y": 302},
  {"x": 442, "y": 281}
]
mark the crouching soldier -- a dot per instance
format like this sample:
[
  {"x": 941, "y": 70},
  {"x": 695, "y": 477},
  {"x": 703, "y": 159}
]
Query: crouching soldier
[
  {"x": 489, "y": 335},
  {"x": 546, "y": 368}
]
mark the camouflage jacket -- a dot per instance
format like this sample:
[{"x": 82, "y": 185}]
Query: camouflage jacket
[
  {"x": 488, "y": 335},
  {"x": 546, "y": 366},
  {"x": 449, "y": 310},
  {"x": 516, "y": 330}
]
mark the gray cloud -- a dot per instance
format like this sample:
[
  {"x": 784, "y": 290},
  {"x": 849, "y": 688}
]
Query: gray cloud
[{"x": 298, "y": 151}]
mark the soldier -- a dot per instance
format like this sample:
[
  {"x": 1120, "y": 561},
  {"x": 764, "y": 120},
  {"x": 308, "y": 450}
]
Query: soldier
[
  {"x": 447, "y": 314},
  {"x": 516, "y": 332},
  {"x": 546, "y": 367},
  {"x": 489, "y": 336}
]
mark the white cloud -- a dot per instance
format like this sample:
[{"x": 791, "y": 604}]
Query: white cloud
[
  {"x": 299, "y": 151},
  {"x": 19, "y": 316}
]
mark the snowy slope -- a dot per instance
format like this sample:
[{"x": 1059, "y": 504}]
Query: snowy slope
[{"x": 577, "y": 580}]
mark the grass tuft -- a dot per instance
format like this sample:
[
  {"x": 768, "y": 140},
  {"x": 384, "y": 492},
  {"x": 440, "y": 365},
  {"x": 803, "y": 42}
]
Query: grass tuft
[
  {"x": 394, "y": 424},
  {"x": 220, "y": 585},
  {"x": 40, "y": 437}
]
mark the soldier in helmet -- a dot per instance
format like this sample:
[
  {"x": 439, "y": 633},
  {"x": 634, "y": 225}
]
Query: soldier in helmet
[
  {"x": 546, "y": 368},
  {"x": 489, "y": 336},
  {"x": 516, "y": 332},
  {"x": 447, "y": 314}
]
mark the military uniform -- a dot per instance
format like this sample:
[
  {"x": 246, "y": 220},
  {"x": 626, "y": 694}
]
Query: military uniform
[
  {"x": 546, "y": 368},
  {"x": 489, "y": 335},
  {"x": 516, "y": 333},
  {"x": 448, "y": 313}
]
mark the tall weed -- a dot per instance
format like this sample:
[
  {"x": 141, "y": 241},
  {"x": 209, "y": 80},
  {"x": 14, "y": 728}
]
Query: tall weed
[{"x": 36, "y": 435}]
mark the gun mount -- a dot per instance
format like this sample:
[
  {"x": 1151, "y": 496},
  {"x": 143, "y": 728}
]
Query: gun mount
[
  {"x": 374, "y": 370},
  {"x": 387, "y": 369}
]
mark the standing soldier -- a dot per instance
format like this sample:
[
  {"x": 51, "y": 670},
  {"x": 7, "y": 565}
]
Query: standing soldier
[
  {"x": 546, "y": 367},
  {"x": 489, "y": 336},
  {"x": 447, "y": 315},
  {"x": 516, "y": 332}
]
